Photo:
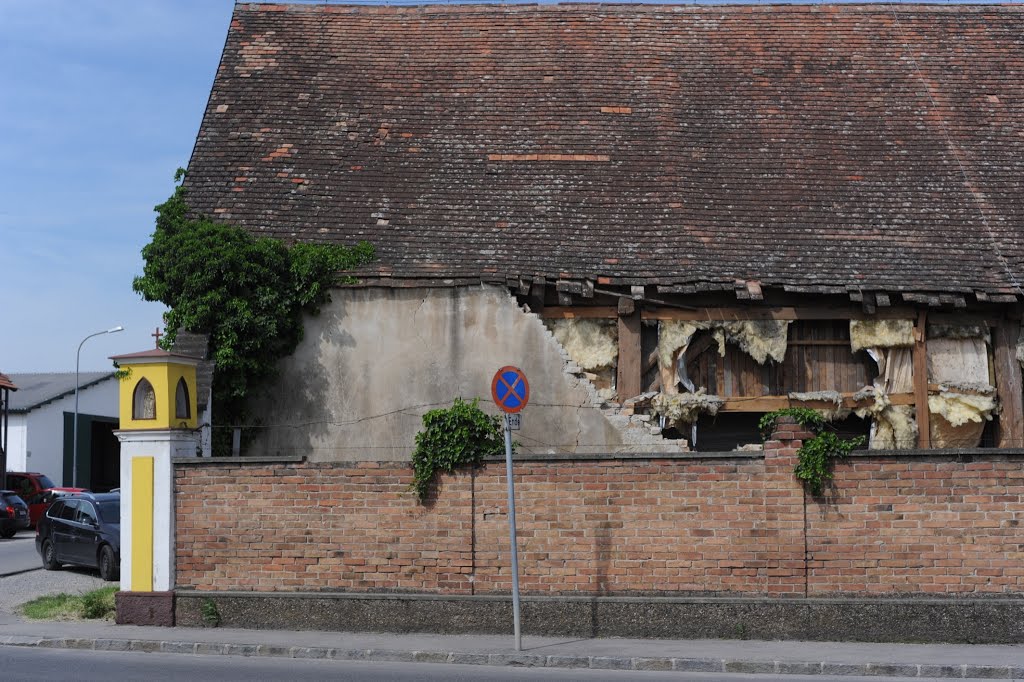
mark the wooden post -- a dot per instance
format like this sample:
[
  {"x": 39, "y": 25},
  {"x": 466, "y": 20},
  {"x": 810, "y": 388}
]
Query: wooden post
[
  {"x": 1008, "y": 384},
  {"x": 630, "y": 367},
  {"x": 924, "y": 437}
]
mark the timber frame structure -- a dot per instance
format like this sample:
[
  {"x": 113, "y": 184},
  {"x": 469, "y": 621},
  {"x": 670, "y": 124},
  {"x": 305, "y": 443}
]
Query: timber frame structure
[
  {"x": 630, "y": 309},
  {"x": 687, "y": 169}
]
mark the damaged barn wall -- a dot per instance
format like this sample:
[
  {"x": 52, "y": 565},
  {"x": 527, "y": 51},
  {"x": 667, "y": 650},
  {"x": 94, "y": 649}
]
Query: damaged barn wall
[
  {"x": 592, "y": 344},
  {"x": 760, "y": 339},
  {"x": 880, "y": 334},
  {"x": 959, "y": 363},
  {"x": 376, "y": 359},
  {"x": 886, "y": 341}
]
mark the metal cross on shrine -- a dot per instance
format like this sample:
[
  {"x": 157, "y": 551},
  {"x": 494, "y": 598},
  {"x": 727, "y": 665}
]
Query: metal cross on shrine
[{"x": 156, "y": 335}]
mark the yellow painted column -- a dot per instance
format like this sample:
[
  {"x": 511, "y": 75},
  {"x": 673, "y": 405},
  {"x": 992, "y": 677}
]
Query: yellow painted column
[{"x": 142, "y": 525}]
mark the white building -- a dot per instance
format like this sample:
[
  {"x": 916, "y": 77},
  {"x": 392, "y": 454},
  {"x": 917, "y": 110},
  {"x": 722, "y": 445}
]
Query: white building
[{"x": 41, "y": 427}]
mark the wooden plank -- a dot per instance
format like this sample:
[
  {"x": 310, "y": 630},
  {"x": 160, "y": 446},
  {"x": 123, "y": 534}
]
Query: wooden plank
[
  {"x": 651, "y": 361},
  {"x": 580, "y": 312},
  {"x": 1008, "y": 385},
  {"x": 720, "y": 379},
  {"x": 924, "y": 438},
  {"x": 820, "y": 342},
  {"x": 536, "y": 298},
  {"x": 629, "y": 373},
  {"x": 774, "y": 313},
  {"x": 755, "y": 404},
  {"x": 774, "y": 402},
  {"x": 733, "y": 313}
]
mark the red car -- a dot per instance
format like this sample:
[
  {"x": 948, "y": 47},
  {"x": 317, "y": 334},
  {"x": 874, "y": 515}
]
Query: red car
[{"x": 37, "y": 490}]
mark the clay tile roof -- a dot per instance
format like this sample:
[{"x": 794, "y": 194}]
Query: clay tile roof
[
  {"x": 871, "y": 146},
  {"x": 5, "y": 382}
]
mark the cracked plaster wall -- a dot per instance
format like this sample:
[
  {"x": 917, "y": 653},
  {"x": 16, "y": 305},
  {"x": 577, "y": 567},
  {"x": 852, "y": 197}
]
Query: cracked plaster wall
[{"x": 376, "y": 359}]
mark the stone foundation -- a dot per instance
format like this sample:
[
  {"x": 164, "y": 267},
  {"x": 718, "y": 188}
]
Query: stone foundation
[
  {"x": 988, "y": 621},
  {"x": 145, "y": 608}
]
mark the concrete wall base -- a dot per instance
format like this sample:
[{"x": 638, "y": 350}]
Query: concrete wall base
[
  {"x": 990, "y": 621},
  {"x": 145, "y": 608}
]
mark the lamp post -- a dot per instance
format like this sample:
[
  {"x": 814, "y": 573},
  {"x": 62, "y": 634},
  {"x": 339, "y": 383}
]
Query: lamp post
[{"x": 74, "y": 442}]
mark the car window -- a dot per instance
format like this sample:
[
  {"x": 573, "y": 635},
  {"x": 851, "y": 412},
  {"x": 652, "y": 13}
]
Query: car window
[
  {"x": 55, "y": 509},
  {"x": 11, "y": 498},
  {"x": 45, "y": 482},
  {"x": 86, "y": 514},
  {"x": 110, "y": 512},
  {"x": 68, "y": 512}
]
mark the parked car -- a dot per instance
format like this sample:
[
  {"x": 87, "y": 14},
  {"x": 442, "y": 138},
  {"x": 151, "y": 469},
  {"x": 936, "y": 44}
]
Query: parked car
[
  {"x": 82, "y": 529},
  {"x": 37, "y": 490},
  {"x": 13, "y": 514}
]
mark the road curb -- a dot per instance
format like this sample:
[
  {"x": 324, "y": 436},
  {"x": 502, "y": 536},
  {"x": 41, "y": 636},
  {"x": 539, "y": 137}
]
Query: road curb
[{"x": 707, "y": 665}]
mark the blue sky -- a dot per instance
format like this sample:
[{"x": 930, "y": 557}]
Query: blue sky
[{"x": 100, "y": 101}]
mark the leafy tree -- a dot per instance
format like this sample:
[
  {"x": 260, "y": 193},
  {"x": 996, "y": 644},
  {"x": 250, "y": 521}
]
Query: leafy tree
[{"x": 247, "y": 293}]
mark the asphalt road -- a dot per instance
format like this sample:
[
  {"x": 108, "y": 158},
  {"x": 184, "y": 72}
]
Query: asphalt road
[
  {"x": 24, "y": 663},
  {"x": 19, "y": 553}
]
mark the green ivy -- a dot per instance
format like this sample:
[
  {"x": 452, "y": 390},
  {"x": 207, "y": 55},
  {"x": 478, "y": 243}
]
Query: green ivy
[
  {"x": 453, "y": 437},
  {"x": 804, "y": 416},
  {"x": 247, "y": 294},
  {"x": 816, "y": 455}
]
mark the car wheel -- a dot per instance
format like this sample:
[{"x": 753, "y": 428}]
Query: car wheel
[
  {"x": 109, "y": 569},
  {"x": 50, "y": 562},
  {"x": 7, "y": 533}
]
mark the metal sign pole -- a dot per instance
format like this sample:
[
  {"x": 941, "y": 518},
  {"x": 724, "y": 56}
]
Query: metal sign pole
[{"x": 512, "y": 532}]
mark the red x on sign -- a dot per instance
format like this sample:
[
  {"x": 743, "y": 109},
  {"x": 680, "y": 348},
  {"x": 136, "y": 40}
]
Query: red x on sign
[{"x": 510, "y": 389}]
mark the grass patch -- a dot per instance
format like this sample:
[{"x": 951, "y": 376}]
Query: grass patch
[{"x": 97, "y": 604}]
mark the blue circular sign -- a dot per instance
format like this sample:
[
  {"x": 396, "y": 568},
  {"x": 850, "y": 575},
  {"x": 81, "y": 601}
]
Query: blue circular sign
[{"x": 510, "y": 389}]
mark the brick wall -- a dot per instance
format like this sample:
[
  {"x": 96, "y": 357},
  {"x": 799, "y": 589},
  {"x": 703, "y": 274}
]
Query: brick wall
[
  {"x": 677, "y": 526},
  {"x": 925, "y": 524}
]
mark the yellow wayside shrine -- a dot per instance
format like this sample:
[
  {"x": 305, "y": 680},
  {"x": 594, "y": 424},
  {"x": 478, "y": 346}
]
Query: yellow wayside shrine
[
  {"x": 158, "y": 424},
  {"x": 159, "y": 391}
]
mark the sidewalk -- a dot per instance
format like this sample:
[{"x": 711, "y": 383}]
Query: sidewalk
[{"x": 734, "y": 656}]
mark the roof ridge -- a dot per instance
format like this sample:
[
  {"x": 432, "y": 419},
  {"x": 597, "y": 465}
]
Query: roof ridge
[{"x": 630, "y": 7}]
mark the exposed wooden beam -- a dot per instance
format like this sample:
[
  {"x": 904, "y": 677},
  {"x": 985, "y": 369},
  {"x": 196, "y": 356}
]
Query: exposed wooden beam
[
  {"x": 924, "y": 437},
  {"x": 628, "y": 376},
  {"x": 1008, "y": 384},
  {"x": 770, "y": 403},
  {"x": 729, "y": 314},
  {"x": 536, "y": 297},
  {"x": 819, "y": 342},
  {"x": 763, "y": 313},
  {"x": 581, "y": 312}
]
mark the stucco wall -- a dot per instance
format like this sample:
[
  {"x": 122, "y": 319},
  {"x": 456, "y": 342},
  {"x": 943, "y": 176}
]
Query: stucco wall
[
  {"x": 40, "y": 447},
  {"x": 376, "y": 359},
  {"x": 16, "y": 443}
]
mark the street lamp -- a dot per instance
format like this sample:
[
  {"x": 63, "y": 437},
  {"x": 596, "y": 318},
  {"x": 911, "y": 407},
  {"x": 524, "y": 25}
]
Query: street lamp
[{"x": 74, "y": 442}]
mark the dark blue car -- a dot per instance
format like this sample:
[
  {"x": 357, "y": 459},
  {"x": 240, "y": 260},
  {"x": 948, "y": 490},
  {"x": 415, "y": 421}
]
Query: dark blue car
[
  {"x": 13, "y": 514},
  {"x": 83, "y": 529}
]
